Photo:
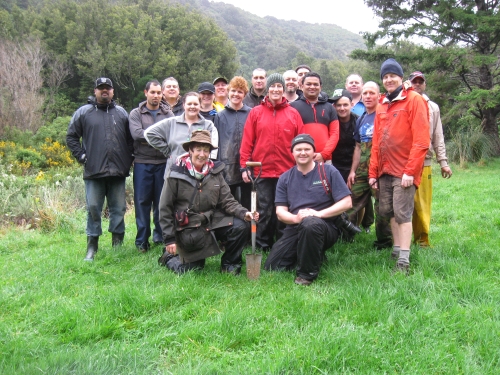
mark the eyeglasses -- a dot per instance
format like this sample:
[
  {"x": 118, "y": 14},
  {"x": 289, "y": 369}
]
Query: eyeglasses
[{"x": 104, "y": 87}]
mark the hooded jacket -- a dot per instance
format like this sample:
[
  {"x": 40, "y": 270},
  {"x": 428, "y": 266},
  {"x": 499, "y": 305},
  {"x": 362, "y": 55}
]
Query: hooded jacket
[
  {"x": 230, "y": 124},
  {"x": 139, "y": 120},
  {"x": 213, "y": 207},
  {"x": 320, "y": 122},
  {"x": 105, "y": 140},
  {"x": 400, "y": 136},
  {"x": 267, "y": 137}
]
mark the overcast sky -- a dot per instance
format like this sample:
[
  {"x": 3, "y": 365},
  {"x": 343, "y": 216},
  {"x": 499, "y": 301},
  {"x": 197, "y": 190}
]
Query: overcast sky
[{"x": 352, "y": 15}]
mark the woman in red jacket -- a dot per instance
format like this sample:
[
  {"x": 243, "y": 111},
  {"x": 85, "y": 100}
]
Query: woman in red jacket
[{"x": 268, "y": 133}]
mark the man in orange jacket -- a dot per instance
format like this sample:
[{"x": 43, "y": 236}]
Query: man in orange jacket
[{"x": 400, "y": 142}]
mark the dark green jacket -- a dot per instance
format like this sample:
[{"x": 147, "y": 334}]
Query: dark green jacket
[{"x": 213, "y": 207}]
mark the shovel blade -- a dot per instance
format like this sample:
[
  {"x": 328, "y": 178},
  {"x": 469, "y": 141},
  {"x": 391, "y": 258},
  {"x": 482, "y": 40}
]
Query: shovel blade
[{"x": 253, "y": 262}]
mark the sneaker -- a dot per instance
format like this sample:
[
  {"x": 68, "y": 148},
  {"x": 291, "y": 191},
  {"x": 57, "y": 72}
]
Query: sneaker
[{"x": 301, "y": 281}]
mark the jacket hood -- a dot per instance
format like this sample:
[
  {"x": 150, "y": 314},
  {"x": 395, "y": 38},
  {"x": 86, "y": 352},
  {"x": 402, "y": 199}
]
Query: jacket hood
[
  {"x": 92, "y": 100},
  {"x": 402, "y": 92},
  {"x": 252, "y": 92},
  {"x": 245, "y": 108},
  {"x": 164, "y": 107},
  {"x": 321, "y": 98}
]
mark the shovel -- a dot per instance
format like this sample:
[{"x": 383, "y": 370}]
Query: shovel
[{"x": 253, "y": 260}]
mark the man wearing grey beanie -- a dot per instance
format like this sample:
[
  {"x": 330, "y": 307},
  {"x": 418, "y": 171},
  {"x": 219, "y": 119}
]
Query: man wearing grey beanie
[
  {"x": 269, "y": 130},
  {"x": 399, "y": 145}
]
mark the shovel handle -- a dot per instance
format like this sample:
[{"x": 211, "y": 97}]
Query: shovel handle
[
  {"x": 254, "y": 235},
  {"x": 254, "y": 164}
]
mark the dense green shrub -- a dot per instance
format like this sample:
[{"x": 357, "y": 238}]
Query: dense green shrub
[
  {"x": 470, "y": 145},
  {"x": 56, "y": 130},
  {"x": 31, "y": 156}
]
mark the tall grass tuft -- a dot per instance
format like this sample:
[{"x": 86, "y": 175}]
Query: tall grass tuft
[{"x": 470, "y": 146}]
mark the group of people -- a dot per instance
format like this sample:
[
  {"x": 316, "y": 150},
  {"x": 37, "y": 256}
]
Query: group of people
[{"x": 322, "y": 160}]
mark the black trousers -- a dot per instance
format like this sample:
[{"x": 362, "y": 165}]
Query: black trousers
[
  {"x": 303, "y": 247},
  {"x": 233, "y": 238},
  {"x": 243, "y": 194},
  {"x": 268, "y": 226}
]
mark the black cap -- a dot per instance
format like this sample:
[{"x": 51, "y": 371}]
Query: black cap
[
  {"x": 206, "y": 86},
  {"x": 303, "y": 138},
  {"x": 103, "y": 81},
  {"x": 339, "y": 93}
]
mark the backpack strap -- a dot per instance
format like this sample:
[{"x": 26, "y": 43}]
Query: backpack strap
[{"x": 323, "y": 179}]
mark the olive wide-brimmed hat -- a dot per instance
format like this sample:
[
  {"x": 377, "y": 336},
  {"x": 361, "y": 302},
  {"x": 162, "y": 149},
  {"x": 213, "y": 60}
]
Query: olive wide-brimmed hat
[{"x": 199, "y": 136}]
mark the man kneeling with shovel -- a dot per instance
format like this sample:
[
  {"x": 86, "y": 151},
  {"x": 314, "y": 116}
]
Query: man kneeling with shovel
[{"x": 309, "y": 199}]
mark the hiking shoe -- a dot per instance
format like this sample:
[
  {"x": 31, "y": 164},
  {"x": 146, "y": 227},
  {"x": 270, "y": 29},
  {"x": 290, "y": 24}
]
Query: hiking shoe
[
  {"x": 403, "y": 266},
  {"x": 233, "y": 269},
  {"x": 395, "y": 254},
  {"x": 301, "y": 281},
  {"x": 143, "y": 247},
  {"x": 165, "y": 257}
]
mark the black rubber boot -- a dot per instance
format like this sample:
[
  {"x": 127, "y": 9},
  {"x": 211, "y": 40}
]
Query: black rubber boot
[
  {"x": 117, "y": 239},
  {"x": 92, "y": 244}
]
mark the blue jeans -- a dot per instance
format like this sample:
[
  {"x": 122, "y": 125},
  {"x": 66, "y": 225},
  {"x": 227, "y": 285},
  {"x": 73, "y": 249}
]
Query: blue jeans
[
  {"x": 113, "y": 189},
  {"x": 148, "y": 183}
]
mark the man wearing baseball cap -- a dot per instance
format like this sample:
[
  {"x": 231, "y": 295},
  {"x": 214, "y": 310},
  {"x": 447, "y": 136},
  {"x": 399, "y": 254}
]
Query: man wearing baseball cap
[
  {"x": 400, "y": 142},
  {"x": 423, "y": 197},
  {"x": 221, "y": 93},
  {"x": 99, "y": 138},
  {"x": 207, "y": 95},
  {"x": 309, "y": 197},
  {"x": 342, "y": 154}
]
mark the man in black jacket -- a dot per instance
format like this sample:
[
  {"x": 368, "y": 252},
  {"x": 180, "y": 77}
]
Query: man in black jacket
[
  {"x": 99, "y": 138},
  {"x": 258, "y": 90},
  {"x": 342, "y": 155}
]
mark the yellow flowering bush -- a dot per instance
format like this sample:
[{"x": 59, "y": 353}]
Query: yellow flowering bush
[
  {"x": 7, "y": 148},
  {"x": 57, "y": 155}
]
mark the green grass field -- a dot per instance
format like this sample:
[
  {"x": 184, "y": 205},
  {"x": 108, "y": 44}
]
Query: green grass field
[{"x": 123, "y": 314}]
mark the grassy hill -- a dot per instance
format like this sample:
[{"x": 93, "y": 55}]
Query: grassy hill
[{"x": 257, "y": 47}]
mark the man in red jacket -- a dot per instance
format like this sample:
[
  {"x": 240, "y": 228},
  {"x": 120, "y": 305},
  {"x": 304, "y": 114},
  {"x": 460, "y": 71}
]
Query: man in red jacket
[
  {"x": 400, "y": 143},
  {"x": 268, "y": 133}
]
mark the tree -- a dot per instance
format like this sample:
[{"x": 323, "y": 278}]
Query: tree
[
  {"x": 466, "y": 37},
  {"x": 21, "y": 82},
  {"x": 125, "y": 40}
]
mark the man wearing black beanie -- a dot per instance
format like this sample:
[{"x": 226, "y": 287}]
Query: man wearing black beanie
[{"x": 400, "y": 143}]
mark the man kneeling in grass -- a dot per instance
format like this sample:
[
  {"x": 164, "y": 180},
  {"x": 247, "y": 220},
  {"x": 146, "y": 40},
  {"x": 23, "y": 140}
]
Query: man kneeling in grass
[{"x": 309, "y": 197}]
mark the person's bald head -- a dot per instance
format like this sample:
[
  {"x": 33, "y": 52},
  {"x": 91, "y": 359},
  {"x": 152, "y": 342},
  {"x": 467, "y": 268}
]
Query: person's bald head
[{"x": 370, "y": 94}]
